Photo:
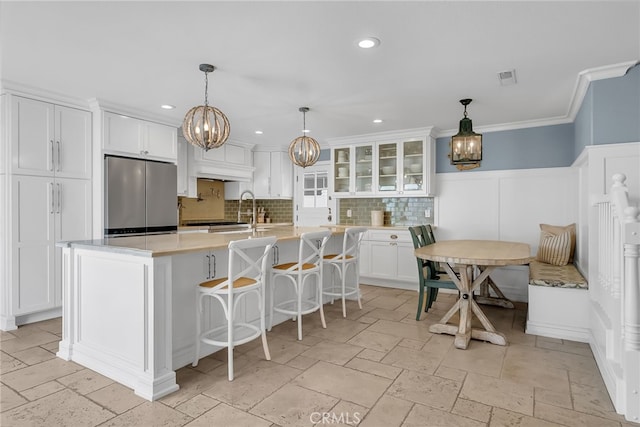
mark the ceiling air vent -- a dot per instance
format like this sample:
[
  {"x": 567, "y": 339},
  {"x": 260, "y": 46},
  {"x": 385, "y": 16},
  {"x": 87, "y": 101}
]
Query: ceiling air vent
[{"x": 507, "y": 77}]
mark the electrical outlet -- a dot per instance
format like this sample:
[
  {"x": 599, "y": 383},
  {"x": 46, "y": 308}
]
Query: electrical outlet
[
  {"x": 427, "y": 213},
  {"x": 348, "y": 213}
]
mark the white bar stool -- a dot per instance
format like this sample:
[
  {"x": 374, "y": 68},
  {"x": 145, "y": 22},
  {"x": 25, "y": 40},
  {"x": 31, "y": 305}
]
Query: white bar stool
[
  {"x": 296, "y": 274},
  {"x": 349, "y": 257},
  {"x": 246, "y": 275}
]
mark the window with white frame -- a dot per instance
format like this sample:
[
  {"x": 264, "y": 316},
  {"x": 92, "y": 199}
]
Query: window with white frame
[{"x": 315, "y": 189}]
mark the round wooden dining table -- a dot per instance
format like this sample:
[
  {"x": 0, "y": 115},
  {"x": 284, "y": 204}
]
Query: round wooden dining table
[{"x": 466, "y": 255}]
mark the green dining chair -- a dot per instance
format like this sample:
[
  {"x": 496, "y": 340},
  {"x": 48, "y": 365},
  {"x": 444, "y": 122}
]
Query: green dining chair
[{"x": 428, "y": 274}]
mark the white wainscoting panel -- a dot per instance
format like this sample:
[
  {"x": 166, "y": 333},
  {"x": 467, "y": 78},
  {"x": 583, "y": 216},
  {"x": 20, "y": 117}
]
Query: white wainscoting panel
[{"x": 506, "y": 205}]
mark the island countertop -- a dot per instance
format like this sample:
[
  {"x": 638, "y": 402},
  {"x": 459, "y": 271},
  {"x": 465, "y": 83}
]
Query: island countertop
[{"x": 157, "y": 245}]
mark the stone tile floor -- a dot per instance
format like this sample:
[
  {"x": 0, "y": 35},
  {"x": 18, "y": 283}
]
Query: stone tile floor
[{"x": 377, "y": 367}]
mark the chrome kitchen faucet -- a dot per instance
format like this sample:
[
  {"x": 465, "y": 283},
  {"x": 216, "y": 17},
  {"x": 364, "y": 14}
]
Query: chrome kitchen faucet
[{"x": 254, "y": 217}]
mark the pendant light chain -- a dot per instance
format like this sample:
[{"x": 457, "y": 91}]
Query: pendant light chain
[{"x": 206, "y": 88}]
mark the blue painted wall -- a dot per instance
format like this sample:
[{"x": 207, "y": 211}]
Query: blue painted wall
[
  {"x": 609, "y": 114},
  {"x": 538, "y": 147},
  {"x": 616, "y": 109}
]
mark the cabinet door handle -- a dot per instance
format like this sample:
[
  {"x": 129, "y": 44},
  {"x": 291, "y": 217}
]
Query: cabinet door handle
[
  {"x": 52, "y": 199},
  {"x": 208, "y": 266},
  {"x": 59, "y": 161},
  {"x": 59, "y": 197},
  {"x": 393, "y": 244},
  {"x": 214, "y": 266},
  {"x": 51, "y": 142}
]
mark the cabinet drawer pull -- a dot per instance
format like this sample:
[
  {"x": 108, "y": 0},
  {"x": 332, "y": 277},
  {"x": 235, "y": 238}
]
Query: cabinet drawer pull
[
  {"x": 58, "y": 162},
  {"x": 52, "y": 198},
  {"x": 51, "y": 162},
  {"x": 394, "y": 236}
]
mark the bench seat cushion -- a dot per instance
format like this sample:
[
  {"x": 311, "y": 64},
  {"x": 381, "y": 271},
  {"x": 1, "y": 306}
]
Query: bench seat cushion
[{"x": 566, "y": 276}]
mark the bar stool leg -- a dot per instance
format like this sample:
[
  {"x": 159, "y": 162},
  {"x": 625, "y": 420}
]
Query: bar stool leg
[{"x": 196, "y": 357}]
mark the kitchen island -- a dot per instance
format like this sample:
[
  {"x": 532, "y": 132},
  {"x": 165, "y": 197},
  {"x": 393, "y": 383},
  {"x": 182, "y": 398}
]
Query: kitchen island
[{"x": 129, "y": 302}]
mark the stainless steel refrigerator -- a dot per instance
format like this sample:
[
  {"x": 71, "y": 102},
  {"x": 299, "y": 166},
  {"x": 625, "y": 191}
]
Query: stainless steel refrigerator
[{"x": 140, "y": 196}]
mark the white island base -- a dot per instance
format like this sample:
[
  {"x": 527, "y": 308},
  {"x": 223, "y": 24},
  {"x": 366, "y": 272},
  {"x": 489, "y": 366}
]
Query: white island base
[{"x": 129, "y": 303}]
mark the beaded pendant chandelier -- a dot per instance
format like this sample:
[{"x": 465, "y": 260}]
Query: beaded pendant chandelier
[
  {"x": 205, "y": 126},
  {"x": 304, "y": 151}
]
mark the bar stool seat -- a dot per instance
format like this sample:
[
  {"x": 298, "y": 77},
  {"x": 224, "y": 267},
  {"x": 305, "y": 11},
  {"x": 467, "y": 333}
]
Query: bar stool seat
[
  {"x": 296, "y": 275},
  {"x": 349, "y": 257},
  {"x": 247, "y": 270}
]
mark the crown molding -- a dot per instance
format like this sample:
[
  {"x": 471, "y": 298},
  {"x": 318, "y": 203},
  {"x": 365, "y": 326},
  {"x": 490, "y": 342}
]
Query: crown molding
[
  {"x": 512, "y": 126},
  {"x": 381, "y": 136},
  {"x": 590, "y": 75},
  {"x": 579, "y": 92},
  {"x": 102, "y": 105},
  {"x": 19, "y": 89}
]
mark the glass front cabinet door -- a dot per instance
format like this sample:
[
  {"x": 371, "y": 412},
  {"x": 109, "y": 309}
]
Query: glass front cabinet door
[
  {"x": 388, "y": 168},
  {"x": 342, "y": 170},
  {"x": 364, "y": 167},
  {"x": 413, "y": 167}
]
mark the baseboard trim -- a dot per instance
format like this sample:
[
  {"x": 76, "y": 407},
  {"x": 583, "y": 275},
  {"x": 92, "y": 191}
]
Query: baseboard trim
[{"x": 558, "y": 331}]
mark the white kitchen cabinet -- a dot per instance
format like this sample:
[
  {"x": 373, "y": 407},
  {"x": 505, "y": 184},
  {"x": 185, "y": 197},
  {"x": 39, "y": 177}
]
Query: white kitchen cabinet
[
  {"x": 387, "y": 259},
  {"x": 139, "y": 138},
  {"x": 47, "y": 192},
  {"x": 230, "y": 161},
  {"x": 229, "y": 153},
  {"x": 187, "y": 183},
  {"x": 44, "y": 211},
  {"x": 384, "y": 165},
  {"x": 273, "y": 176},
  {"x": 48, "y": 139}
]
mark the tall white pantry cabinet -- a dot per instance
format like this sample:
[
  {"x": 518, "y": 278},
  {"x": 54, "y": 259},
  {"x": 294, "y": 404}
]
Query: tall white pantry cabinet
[{"x": 46, "y": 195}]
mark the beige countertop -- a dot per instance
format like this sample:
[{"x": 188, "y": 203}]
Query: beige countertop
[
  {"x": 371, "y": 227},
  {"x": 178, "y": 243}
]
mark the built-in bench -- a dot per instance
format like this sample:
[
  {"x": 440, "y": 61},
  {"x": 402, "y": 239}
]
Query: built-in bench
[{"x": 558, "y": 302}]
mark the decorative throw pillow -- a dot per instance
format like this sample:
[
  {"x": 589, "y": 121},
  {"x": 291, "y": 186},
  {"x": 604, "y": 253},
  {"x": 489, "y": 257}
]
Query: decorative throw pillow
[
  {"x": 557, "y": 229},
  {"x": 554, "y": 248}
]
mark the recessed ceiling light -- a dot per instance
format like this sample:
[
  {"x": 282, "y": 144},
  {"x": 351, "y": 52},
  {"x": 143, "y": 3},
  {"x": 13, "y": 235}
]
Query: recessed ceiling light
[
  {"x": 167, "y": 106},
  {"x": 377, "y": 120},
  {"x": 258, "y": 132},
  {"x": 369, "y": 42}
]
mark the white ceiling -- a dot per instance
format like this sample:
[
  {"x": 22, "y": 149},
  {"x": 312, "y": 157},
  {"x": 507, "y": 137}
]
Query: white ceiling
[{"x": 273, "y": 57}]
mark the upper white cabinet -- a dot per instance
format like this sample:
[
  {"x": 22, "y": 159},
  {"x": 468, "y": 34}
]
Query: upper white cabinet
[
  {"x": 230, "y": 161},
  {"x": 385, "y": 166},
  {"x": 139, "y": 138},
  {"x": 49, "y": 140},
  {"x": 229, "y": 153},
  {"x": 273, "y": 176}
]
